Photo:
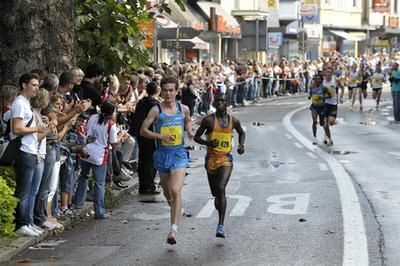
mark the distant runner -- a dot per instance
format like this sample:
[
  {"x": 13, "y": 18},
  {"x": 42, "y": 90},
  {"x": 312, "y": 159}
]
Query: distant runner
[{"x": 218, "y": 128}]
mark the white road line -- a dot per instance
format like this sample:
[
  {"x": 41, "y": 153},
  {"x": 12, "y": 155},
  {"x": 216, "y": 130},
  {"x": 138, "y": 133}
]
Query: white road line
[
  {"x": 390, "y": 118},
  {"x": 323, "y": 167},
  {"x": 355, "y": 247},
  {"x": 312, "y": 155},
  {"x": 288, "y": 136},
  {"x": 385, "y": 114},
  {"x": 298, "y": 145}
]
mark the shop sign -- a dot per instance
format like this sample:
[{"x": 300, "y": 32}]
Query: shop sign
[
  {"x": 393, "y": 22},
  {"x": 273, "y": 4},
  {"x": 381, "y": 6},
  {"x": 275, "y": 39}
]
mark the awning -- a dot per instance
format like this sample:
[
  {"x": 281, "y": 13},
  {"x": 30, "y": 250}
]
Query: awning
[
  {"x": 361, "y": 35},
  {"x": 345, "y": 35},
  {"x": 187, "y": 18},
  {"x": 195, "y": 43}
]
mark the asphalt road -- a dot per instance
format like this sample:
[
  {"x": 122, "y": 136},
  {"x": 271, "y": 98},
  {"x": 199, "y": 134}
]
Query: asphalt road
[{"x": 289, "y": 202}]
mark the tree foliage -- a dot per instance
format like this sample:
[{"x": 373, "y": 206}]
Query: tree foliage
[{"x": 111, "y": 32}]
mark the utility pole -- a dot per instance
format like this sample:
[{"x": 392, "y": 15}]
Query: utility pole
[{"x": 177, "y": 42}]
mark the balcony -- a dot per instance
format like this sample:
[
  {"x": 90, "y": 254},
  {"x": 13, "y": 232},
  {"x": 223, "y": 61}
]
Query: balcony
[{"x": 251, "y": 9}]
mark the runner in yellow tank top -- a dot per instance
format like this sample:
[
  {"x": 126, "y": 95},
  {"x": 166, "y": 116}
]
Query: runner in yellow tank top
[{"x": 218, "y": 128}]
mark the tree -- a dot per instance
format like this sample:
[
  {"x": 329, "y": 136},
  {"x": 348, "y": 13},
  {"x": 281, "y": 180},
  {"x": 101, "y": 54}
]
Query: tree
[
  {"x": 111, "y": 32},
  {"x": 35, "y": 34}
]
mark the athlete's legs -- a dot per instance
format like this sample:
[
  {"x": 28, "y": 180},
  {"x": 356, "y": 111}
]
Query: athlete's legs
[
  {"x": 353, "y": 96},
  {"x": 172, "y": 184},
  {"x": 218, "y": 186},
  {"x": 314, "y": 115},
  {"x": 360, "y": 97},
  {"x": 374, "y": 94},
  {"x": 378, "y": 97}
]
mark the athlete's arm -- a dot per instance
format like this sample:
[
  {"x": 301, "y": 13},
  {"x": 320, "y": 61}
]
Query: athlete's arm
[
  {"x": 150, "y": 119},
  {"x": 242, "y": 135},
  {"x": 188, "y": 121},
  {"x": 204, "y": 125},
  {"x": 341, "y": 86}
]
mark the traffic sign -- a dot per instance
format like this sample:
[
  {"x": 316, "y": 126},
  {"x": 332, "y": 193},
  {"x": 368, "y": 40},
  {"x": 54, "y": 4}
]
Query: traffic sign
[{"x": 170, "y": 33}]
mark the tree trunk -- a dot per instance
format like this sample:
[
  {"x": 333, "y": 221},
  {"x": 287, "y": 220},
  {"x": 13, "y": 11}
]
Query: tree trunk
[{"x": 35, "y": 34}]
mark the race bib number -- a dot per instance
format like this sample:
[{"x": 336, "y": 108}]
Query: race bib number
[
  {"x": 223, "y": 141},
  {"x": 377, "y": 80},
  {"x": 317, "y": 99},
  {"x": 175, "y": 132},
  {"x": 331, "y": 91},
  {"x": 353, "y": 80}
]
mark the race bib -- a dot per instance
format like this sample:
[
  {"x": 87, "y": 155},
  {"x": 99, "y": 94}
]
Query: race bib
[
  {"x": 377, "y": 80},
  {"x": 353, "y": 80},
  {"x": 223, "y": 140},
  {"x": 175, "y": 132},
  {"x": 331, "y": 91},
  {"x": 317, "y": 99}
]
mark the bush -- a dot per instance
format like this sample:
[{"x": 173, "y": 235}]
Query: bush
[
  {"x": 8, "y": 203},
  {"x": 8, "y": 175}
]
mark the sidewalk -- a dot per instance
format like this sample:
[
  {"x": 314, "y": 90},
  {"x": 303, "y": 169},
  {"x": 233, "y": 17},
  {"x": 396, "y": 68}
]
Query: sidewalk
[{"x": 19, "y": 244}]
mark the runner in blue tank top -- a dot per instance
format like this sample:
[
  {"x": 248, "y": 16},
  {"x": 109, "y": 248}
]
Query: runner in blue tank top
[{"x": 170, "y": 158}]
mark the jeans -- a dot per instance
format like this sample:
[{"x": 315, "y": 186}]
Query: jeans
[
  {"x": 233, "y": 96},
  {"x": 24, "y": 167},
  {"x": 266, "y": 86},
  {"x": 242, "y": 93},
  {"x": 40, "y": 215},
  {"x": 396, "y": 105},
  {"x": 37, "y": 178},
  {"x": 99, "y": 172}
]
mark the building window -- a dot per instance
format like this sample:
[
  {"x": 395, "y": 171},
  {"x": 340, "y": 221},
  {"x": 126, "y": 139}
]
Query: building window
[{"x": 354, "y": 3}]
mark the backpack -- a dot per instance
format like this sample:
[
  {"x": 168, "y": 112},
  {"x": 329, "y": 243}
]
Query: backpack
[{"x": 9, "y": 148}]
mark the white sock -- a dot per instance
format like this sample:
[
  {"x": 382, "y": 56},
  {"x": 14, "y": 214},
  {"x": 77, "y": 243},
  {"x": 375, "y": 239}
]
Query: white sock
[{"x": 174, "y": 228}]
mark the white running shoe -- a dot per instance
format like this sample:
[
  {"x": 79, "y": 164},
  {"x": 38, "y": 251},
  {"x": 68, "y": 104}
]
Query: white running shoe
[
  {"x": 314, "y": 142},
  {"x": 57, "y": 225},
  {"x": 35, "y": 229},
  {"x": 48, "y": 226},
  {"x": 26, "y": 231}
]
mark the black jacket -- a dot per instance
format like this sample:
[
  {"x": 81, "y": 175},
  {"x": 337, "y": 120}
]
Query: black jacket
[{"x": 141, "y": 111}]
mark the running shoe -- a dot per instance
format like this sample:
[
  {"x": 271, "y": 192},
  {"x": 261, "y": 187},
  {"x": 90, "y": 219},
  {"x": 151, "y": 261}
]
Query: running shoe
[
  {"x": 48, "y": 226},
  {"x": 171, "y": 239},
  {"x": 36, "y": 230},
  {"x": 26, "y": 230},
  {"x": 220, "y": 231},
  {"x": 351, "y": 108},
  {"x": 361, "y": 108},
  {"x": 330, "y": 142},
  {"x": 314, "y": 142},
  {"x": 325, "y": 140}
]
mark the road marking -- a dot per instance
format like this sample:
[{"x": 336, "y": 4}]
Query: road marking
[
  {"x": 323, "y": 167},
  {"x": 312, "y": 155},
  {"x": 298, "y": 145},
  {"x": 390, "y": 118},
  {"x": 385, "y": 113},
  {"x": 241, "y": 205},
  {"x": 355, "y": 247},
  {"x": 288, "y": 136},
  {"x": 395, "y": 154},
  {"x": 289, "y": 204}
]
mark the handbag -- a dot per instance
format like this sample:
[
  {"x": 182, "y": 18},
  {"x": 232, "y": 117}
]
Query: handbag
[{"x": 9, "y": 148}]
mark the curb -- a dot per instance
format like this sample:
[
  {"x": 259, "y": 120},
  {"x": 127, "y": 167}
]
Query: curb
[{"x": 19, "y": 244}]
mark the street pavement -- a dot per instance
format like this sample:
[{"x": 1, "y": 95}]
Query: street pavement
[{"x": 286, "y": 204}]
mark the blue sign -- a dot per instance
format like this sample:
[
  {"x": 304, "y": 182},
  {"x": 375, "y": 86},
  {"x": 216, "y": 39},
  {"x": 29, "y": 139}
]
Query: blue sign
[{"x": 310, "y": 18}]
